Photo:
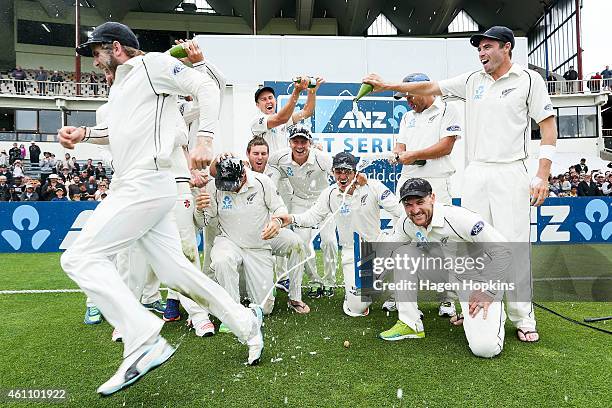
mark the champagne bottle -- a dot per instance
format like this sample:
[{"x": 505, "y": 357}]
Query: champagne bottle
[
  {"x": 312, "y": 82},
  {"x": 179, "y": 50},
  {"x": 363, "y": 91}
]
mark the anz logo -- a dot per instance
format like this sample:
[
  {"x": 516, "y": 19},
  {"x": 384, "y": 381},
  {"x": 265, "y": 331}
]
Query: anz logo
[
  {"x": 582, "y": 225},
  {"x": 25, "y": 218},
  {"x": 363, "y": 120}
]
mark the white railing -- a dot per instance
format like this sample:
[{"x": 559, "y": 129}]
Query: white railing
[
  {"x": 30, "y": 87},
  {"x": 579, "y": 86}
]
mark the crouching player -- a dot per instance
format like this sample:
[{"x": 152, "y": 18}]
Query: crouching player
[
  {"x": 425, "y": 222},
  {"x": 355, "y": 208}
]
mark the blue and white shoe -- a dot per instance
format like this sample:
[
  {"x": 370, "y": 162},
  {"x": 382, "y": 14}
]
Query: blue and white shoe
[
  {"x": 137, "y": 364},
  {"x": 256, "y": 342},
  {"x": 172, "y": 312},
  {"x": 156, "y": 307},
  {"x": 283, "y": 285},
  {"x": 93, "y": 315}
]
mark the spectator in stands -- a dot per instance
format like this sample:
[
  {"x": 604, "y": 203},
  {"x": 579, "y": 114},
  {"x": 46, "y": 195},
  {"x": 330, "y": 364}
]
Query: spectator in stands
[
  {"x": 573, "y": 192},
  {"x": 22, "y": 151},
  {"x": 599, "y": 180},
  {"x": 14, "y": 154},
  {"x": 606, "y": 74},
  {"x": 554, "y": 186},
  {"x": 41, "y": 78},
  {"x": 89, "y": 167},
  {"x": 100, "y": 171},
  {"x": 13, "y": 194},
  {"x": 56, "y": 79},
  {"x": 566, "y": 186},
  {"x": 46, "y": 167},
  {"x": 76, "y": 167},
  {"x": 65, "y": 162},
  {"x": 581, "y": 167},
  {"x": 571, "y": 75},
  {"x": 73, "y": 185},
  {"x": 4, "y": 171},
  {"x": 59, "y": 195},
  {"x": 34, "y": 153},
  {"x": 4, "y": 189},
  {"x": 84, "y": 194},
  {"x": 29, "y": 194},
  {"x": 91, "y": 185},
  {"x": 587, "y": 187},
  {"x": 18, "y": 169},
  {"x": 37, "y": 187},
  {"x": 93, "y": 83},
  {"x": 19, "y": 75},
  {"x": 4, "y": 159},
  {"x": 606, "y": 188},
  {"x": 49, "y": 188},
  {"x": 65, "y": 175},
  {"x": 18, "y": 185},
  {"x": 595, "y": 82},
  {"x": 102, "y": 190},
  {"x": 75, "y": 197},
  {"x": 551, "y": 83}
]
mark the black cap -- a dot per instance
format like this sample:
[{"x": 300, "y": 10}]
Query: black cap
[
  {"x": 415, "y": 187},
  {"x": 107, "y": 33},
  {"x": 344, "y": 160},
  {"x": 229, "y": 174},
  {"x": 263, "y": 89},
  {"x": 499, "y": 33},
  {"x": 415, "y": 77},
  {"x": 299, "y": 131}
]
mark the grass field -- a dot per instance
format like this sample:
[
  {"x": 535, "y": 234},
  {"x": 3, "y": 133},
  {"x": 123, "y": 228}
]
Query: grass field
[{"x": 46, "y": 345}]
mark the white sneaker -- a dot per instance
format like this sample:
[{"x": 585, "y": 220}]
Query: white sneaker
[
  {"x": 204, "y": 328},
  {"x": 447, "y": 309},
  {"x": 389, "y": 306},
  {"x": 117, "y": 336},
  {"x": 137, "y": 364},
  {"x": 256, "y": 342}
]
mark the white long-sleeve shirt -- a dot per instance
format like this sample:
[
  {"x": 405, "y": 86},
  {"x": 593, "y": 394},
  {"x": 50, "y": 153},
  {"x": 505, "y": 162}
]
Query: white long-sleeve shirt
[
  {"x": 142, "y": 110},
  {"x": 243, "y": 215},
  {"x": 358, "y": 212},
  {"x": 307, "y": 180}
]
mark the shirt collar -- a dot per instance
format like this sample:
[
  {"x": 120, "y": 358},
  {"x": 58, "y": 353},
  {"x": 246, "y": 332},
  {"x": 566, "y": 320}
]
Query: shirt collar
[
  {"x": 515, "y": 69},
  {"x": 437, "y": 219},
  {"x": 250, "y": 181},
  {"x": 311, "y": 156}
]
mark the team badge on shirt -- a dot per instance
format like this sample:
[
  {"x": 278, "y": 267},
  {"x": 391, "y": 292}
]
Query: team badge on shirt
[
  {"x": 411, "y": 123},
  {"x": 177, "y": 68},
  {"x": 251, "y": 197},
  {"x": 477, "y": 228},
  {"x": 309, "y": 173},
  {"x": 187, "y": 203},
  {"x": 432, "y": 118},
  {"x": 363, "y": 200},
  {"x": 345, "y": 209},
  {"x": 453, "y": 128},
  {"x": 289, "y": 171},
  {"x": 505, "y": 92},
  {"x": 479, "y": 92},
  {"x": 227, "y": 203},
  {"x": 385, "y": 194}
]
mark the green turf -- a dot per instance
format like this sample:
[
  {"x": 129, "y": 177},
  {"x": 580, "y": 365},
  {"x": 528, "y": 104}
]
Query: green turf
[{"x": 46, "y": 345}]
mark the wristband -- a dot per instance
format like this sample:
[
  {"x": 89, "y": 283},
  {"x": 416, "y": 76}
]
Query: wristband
[
  {"x": 280, "y": 222},
  {"x": 86, "y": 135},
  {"x": 547, "y": 152}
]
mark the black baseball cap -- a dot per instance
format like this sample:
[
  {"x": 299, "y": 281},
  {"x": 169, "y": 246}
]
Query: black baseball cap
[
  {"x": 415, "y": 187},
  {"x": 499, "y": 33},
  {"x": 344, "y": 160},
  {"x": 299, "y": 131},
  {"x": 415, "y": 77},
  {"x": 263, "y": 89},
  {"x": 107, "y": 33},
  {"x": 229, "y": 174}
]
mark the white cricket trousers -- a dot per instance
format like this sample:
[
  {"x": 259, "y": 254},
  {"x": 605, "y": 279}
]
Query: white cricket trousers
[
  {"x": 140, "y": 210},
  {"x": 499, "y": 192},
  {"x": 258, "y": 267},
  {"x": 485, "y": 336},
  {"x": 289, "y": 245},
  {"x": 355, "y": 302},
  {"x": 329, "y": 244}
]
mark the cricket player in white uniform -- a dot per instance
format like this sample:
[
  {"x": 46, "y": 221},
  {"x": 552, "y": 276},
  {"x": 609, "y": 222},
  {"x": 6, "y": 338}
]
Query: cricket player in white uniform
[
  {"x": 427, "y": 221},
  {"x": 139, "y": 210},
  {"x": 243, "y": 201},
  {"x": 501, "y": 100},
  {"x": 308, "y": 171},
  {"x": 355, "y": 208},
  {"x": 428, "y": 133},
  {"x": 272, "y": 126}
]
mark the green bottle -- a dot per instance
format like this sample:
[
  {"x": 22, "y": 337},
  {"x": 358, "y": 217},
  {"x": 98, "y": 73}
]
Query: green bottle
[
  {"x": 312, "y": 82},
  {"x": 363, "y": 91},
  {"x": 179, "y": 50},
  {"x": 418, "y": 162}
]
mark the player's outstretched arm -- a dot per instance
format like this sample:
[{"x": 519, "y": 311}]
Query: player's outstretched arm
[
  {"x": 425, "y": 88},
  {"x": 69, "y": 136},
  {"x": 283, "y": 115},
  {"x": 539, "y": 185},
  {"x": 311, "y": 102}
]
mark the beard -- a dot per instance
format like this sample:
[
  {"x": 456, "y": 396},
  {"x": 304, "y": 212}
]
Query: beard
[{"x": 108, "y": 63}]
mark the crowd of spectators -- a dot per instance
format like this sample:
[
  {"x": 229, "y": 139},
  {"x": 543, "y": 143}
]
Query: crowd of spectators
[
  {"x": 579, "y": 182},
  {"x": 60, "y": 180},
  {"x": 43, "y": 82},
  {"x": 599, "y": 81}
]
